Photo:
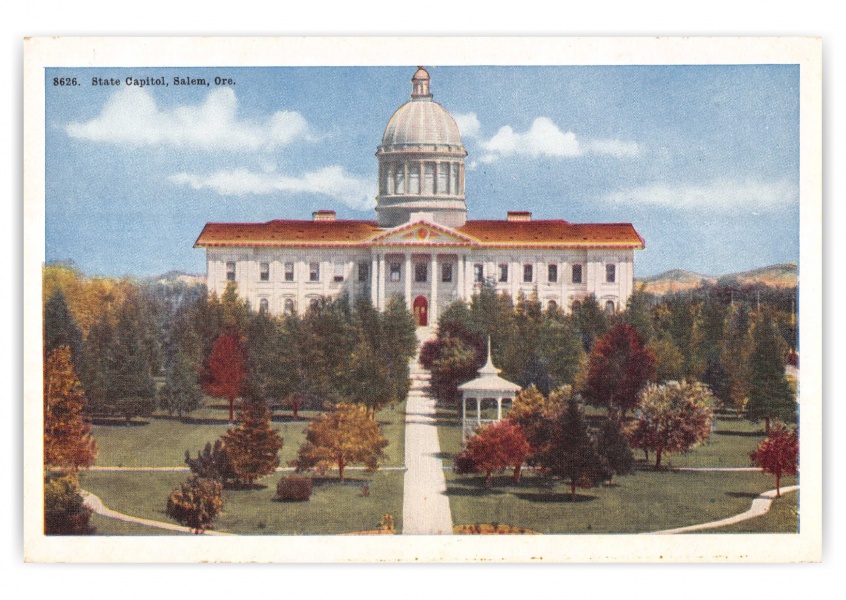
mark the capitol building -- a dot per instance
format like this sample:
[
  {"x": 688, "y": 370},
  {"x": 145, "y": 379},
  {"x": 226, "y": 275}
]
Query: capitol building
[{"x": 421, "y": 246}]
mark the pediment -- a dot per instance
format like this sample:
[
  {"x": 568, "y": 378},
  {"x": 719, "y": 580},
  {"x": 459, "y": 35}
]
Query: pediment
[{"x": 422, "y": 233}]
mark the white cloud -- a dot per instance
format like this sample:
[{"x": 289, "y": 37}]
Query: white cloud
[
  {"x": 331, "y": 181},
  {"x": 721, "y": 195},
  {"x": 545, "y": 138},
  {"x": 131, "y": 117},
  {"x": 468, "y": 124}
]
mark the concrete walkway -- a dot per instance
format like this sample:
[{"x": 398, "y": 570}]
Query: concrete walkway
[
  {"x": 760, "y": 506},
  {"x": 425, "y": 506},
  {"x": 96, "y": 505}
]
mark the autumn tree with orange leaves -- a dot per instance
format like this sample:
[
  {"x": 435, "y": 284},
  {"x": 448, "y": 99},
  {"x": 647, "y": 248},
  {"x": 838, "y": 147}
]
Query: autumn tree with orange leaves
[
  {"x": 225, "y": 370},
  {"x": 497, "y": 447},
  {"x": 778, "y": 454},
  {"x": 343, "y": 436},
  {"x": 67, "y": 436}
]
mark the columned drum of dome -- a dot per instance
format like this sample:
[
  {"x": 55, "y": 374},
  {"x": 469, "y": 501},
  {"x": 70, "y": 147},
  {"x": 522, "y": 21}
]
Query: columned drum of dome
[{"x": 421, "y": 162}]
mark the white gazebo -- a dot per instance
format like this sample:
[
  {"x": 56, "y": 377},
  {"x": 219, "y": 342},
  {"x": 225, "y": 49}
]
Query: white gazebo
[{"x": 487, "y": 387}]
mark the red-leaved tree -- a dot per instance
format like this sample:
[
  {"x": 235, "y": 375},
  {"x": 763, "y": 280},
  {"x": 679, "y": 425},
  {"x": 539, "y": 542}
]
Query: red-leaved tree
[
  {"x": 225, "y": 370},
  {"x": 496, "y": 447},
  {"x": 778, "y": 454},
  {"x": 620, "y": 365}
]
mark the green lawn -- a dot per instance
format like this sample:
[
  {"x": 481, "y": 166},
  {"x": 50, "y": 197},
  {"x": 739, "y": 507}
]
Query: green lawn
[
  {"x": 782, "y": 518},
  {"x": 334, "y": 507},
  {"x": 645, "y": 501},
  {"x": 639, "y": 503},
  {"x": 161, "y": 441}
]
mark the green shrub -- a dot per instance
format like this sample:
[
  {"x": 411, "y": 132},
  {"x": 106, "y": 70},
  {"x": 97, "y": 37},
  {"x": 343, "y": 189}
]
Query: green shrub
[
  {"x": 64, "y": 510},
  {"x": 213, "y": 462},
  {"x": 293, "y": 488},
  {"x": 196, "y": 503}
]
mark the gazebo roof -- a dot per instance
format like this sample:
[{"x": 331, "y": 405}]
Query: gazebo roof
[{"x": 489, "y": 379}]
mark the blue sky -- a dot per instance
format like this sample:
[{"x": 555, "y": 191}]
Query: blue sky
[{"x": 703, "y": 160}]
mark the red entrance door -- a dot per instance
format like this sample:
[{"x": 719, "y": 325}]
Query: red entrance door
[{"x": 421, "y": 308}]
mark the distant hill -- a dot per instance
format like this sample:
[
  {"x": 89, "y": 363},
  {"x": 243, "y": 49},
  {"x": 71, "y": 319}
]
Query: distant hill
[
  {"x": 678, "y": 280},
  {"x": 174, "y": 276}
]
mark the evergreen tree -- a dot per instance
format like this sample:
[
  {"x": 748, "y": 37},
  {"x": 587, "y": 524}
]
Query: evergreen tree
[
  {"x": 196, "y": 503},
  {"x": 97, "y": 369},
  {"x": 770, "y": 394},
  {"x": 60, "y": 328},
  {"x": 591, "y": 322},
  {"x": 131, "y": 390},
  {"x": 213, "y": 462},
  {"x": 269, "y": 369},
  {"x": 253, "y": 446},
  {"x": 736, "y": 348},
  {"x": 560, "y": 350},
  {"x": 572, "y": 452},
  {"x": 181, "y": 393},
  {"x": 614, "y": 447},
  {"x": 67, "y": 436},
  {"x": 669, "y": 362},
  {"x": 639, "y": 315}
]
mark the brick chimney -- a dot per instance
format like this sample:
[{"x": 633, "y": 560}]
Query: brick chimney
[
  {"x": 519, "y": 215},
  {"x": 323, "y": 215}
]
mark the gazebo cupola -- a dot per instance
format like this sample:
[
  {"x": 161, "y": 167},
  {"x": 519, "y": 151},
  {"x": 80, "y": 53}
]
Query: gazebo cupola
[{"x": 485, "y": 391}]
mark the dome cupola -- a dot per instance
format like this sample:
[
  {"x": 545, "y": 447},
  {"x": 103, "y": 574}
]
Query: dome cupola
[{"x": 421, "y": 162}]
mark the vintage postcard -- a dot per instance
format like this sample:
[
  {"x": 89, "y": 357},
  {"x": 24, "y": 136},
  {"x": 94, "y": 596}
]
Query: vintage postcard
[{"x": 422, "y": 300}]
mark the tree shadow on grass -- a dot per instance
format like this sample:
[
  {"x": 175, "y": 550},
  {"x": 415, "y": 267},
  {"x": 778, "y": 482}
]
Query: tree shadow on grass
[
  {"x": 330, "y": 481},
  {"x": 754, "y": 434},
  {"x": 291, "y": 419},
  {"x": 750, "y": 495},
  {"x": 474, "y": 492},
  {"x": 553, "y": 497},
  {"x": 444, "y": 455},
  {"x": 194, "y": 420},
  {"x": 117, "y": 422}
]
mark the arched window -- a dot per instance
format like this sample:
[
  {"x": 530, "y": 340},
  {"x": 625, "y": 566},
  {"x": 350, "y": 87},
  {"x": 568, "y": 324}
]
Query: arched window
[
  {"x": 290, "y": 309},
  {"x": 577, "y": 306},
  {"x": 264, "y": 306},
  {"x": 610, "y": 273},
  {"x": 609, "y": 307}
]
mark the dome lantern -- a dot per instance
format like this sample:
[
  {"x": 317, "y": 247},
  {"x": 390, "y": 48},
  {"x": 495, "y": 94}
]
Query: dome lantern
[{"x": 420, "y": 85}]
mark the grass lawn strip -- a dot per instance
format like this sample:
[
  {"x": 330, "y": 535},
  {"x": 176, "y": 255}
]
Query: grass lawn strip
[
  {"x": 643, "y": 502},
  {"x": 161, "y": 441},
  {"x": 334, "y": 507},
  {"x": 782, "y": 518}
]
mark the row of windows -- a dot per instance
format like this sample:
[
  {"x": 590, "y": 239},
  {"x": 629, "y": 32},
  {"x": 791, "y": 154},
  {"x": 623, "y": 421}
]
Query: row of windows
[
  {"x": 313, "y": 271},
  {"x": 551, "y": 273},
  {"x": 290, "y": 306},
  {"x": 421, "y": 271}
]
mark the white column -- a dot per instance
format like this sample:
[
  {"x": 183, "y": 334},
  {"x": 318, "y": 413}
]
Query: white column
[
  {"x": 459, "y": 273},
  {"x": 381, "y": 301},
  {"x": 374, "y": 281},
  {"x": 433, "y": 308},
  {"x": 300, "y": 273},
  {"x": 468, "y": 277},
  {"x": 464, "y": 417},
  {"x": 499, "y": 408},
  {"x": 478, "y": 410},
  {"x": 407, "y": 275}
]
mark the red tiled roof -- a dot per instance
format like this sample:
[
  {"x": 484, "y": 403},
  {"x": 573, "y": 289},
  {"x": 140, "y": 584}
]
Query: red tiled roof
[
  {"x": 553, "y": 233},
  {"x": 287, "y": 233},
  {"x": 547, "y": 233}
]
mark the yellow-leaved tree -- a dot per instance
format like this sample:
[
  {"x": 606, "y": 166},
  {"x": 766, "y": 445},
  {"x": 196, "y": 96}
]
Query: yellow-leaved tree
[{"x": 343, "y": 436}]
